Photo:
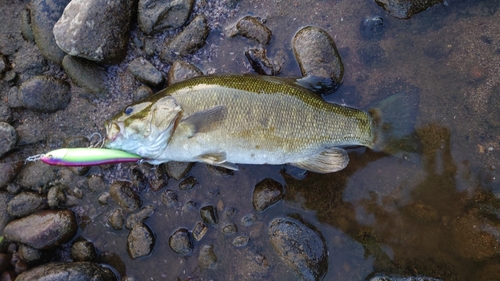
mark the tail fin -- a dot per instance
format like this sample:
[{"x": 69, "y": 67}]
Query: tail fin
[{"x": 393, "y": 123}]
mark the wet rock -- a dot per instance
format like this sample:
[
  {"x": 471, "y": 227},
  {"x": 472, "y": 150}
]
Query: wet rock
[
  {"x": 155, "y": 15},
  {"x": 44, "y": 15},
  {"x": 169, "y": 198},
  {"x": 62, "y": 271},
  {"x": 371, "y": 54},
  {"x": 85, "y": 74},
  {"x": 406, "y": 8},
  {"x": 26, "y": 203},
  {"x": 180, "y": 71},
  {"x": 248, "y": 220},
  {"x": 188, "y": 183},
  {"x": 140, "y": 216},
  {"x": 317, "y": 55},
  {"x": 9, "y": 168},
  {"x": 145, "y": 72},
  {"x": 141, "y": 93},
  {"x": 260, "y": 63},
  {"x": 96, "y": 30},
  {"x": 43, "y": 230},
  {"x": 123, "y": 194},
  {"x": 252, "y": 28},
  {"x": 8, "y": 138},
  {"x": 229, "y": 229},
  {"x": 28, "y": 62},
  {"x": 180, "y": 242},
  {"x": 207, "y": 258},
  {"x": 117, "y": 219},
  {"x": 250, "y": 265},
  {"x": 199, "y": 230},
  {"x": 209, "y": 215},
  {"x": 4, "y": 215},
  {"x": 188, "y": 41},
  {"x": 301, "y": 248},
  {"x": 267, "y": 193},
  {"x": 372, "y": 28},
  {"x": 56, "y": 196},
  {"x": 83, "y": 251},
  {"x": 35, "y": 175},
  {"x": 177, "y": 170},
  {"x": 26, "y": 29},
  {"x": 421, "y": 212},
  {"x": 30, "y": 255},
  {"x": 13, "y": 99},
  {"x": 140, "y": 241},
  {"x": 10, "y": 76},
  {"x": 240, "y": 241},
  {"x": 5, "y": 113},
  {"x": 45, "y": 94}
]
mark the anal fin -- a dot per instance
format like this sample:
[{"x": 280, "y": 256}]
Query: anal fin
[
  {"x": 217, "y": 159},
  {"x": 328, "y": 161}
]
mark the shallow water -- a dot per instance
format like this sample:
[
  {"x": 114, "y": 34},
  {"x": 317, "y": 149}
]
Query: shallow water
[{"x": 381, "y": 214}]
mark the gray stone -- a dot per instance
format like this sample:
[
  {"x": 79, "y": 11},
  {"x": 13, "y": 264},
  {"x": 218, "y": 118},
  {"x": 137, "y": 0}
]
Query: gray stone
[
  {"x": 43, "y": 230},
  {"x": 240, "y": 241},
  {"x": 252, "y": 28},
  {"x": 229, "y": 229},
  {"x": 141, "y": 93},
  {"x": 169, "y": 198},
  {"x": 117, "y": 219},
  {"x": 181, "y": 70},
  {"x": 267, "y": 193},
  {"x": 177, "y": 170},
  {"x": 26, "y": 29},
  {"x": 123, "y": 194},
  {"x": 45, "y": 94},
  {"x": 96, "y": 30},
  {"x": 317, "y": 55},
  {"x": 140, "y": 241},
  {"x": 158, "y": 15},
  {"x": 63, "y": 271},
  {"x": 28, "y": 62},
  {"x": 83, "y": 251},
  {"x": 85, "y": 74},
  {"x": 406, "y": 8},
  {"x": 29, "y": 254},
  {"x": 56, "y": 196},
  {"x": 3, "y": 65},
  {"x": 300, "y": 247},
  {"x": 180, "y": 242},
  {"x": 4, "y": 215},
  {"x": 13, "y": 99},
  {"x": 36, "y": 175},
  {"x": 10, "y": 166},
  {"x": 188, "y": 41},
  {"x": 145, "y": 72},
  {"x": 140, "y": 216},
  {"x": 26, "y": 203},
  {"x": 8, "y": 138},
  {"x": 5, "y": 113},
  {"x": 44, "y": 15}
]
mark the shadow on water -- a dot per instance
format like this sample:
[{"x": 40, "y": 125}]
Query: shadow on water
[{"x": 406, "y": 216}]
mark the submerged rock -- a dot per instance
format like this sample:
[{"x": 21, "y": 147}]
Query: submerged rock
[
  {"x": 45, "y": 94},
  {"x": 252, "y": 28},
  {"x": 209, "y": 215},
  {"x": 188, "y": 41},
  {"x": 43, "y": 230},
  {"x": 123, "y": 194},
  {"x": 300, "y": 247},
  {"x": 26, "y": 203},
  {"x": 140, "y": 216},
  {"x": 317, "y": 55},
  {"x": 404, "y": 9},
  {"x": 44, "y": 15},
  {"x": 83, "y": 251},
  {"x": 155, "y": 15},
  {"x": 85, "y": 74},
  {"x": 117, "y": 219},
  {"x": 267, "y": 193},
  {"x": 207, "y": 257},
  {"x": 63, "y": 271},
  {"x": 372, "y": 28},
  {"x": 180, "y": 242},
  {"x": 96, "y": 30},
  {"x": 260, "y": 63},
  {"x": 140, "y": 241}
]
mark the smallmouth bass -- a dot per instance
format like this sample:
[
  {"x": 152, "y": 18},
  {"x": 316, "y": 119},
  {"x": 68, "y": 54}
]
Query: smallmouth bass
[{"x": 249, "y": 119}]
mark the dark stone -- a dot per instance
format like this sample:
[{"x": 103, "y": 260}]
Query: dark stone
[
  {"x": 13, "y": 98},
  {"x": 30, "y": 255},
  {"x": 44, "y": 15},
  {"x": 140, "y": 241},
  {"x": 83, "y": 251},
  {"x": 140, "y": 216},
  {"x": 10, "y": 166},
  {"x": 155, "y": 15},
  {"x": 180, "y": 242},
  {"x": 188, "y": 41},
  {"x": 199, "y": 230},
  {"x": 209, "y": 215},
  {"x": 267, "y": 193},
  {"x": 260, "y": 63},
  {"x": 95, "y": 29},
  {"x": 317, "y": 55},
  {"x": 45, "y": 94},
  {"x": 252, "y": 28},
  {"x": 141, "y": 93},
  {"x": 43, "y": 230},
  {"x": 26, "y": 203},
  {"x": 300, "y": 247},
  {"x": 207, "y": 257},
  {"x": 169, "y": 198},
  {"x": 5, "y": 113},
  {"x": 27, "y": 62},
  {"x": 404, "y": 9},
  {"x": 145, "y": 72},
  {"x": 117, "y": 219},
  {"x": 8, "y": 138},
  {"x": 36, "y": 175},
  {"x": 85, "y": 74},
  {"x": 56, "y": 196},
  {"x": 124, "y": 196},
  {"x": 180, "y": 71},
  {"x": 62, "y": 271},
  {"x": 4, "y": 215},
  {"x": 188, "y": 183},
  {"x": 177, "y": 170}
]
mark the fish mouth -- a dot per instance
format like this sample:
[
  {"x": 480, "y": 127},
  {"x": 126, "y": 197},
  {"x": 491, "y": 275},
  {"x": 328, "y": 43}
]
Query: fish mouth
[{"x": 113, "y": 131}]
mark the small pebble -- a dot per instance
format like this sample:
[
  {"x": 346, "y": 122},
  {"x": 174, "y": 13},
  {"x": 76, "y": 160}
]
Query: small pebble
[
  {"x": 240, "y": 241},
  {"x": 199, "y": 230}
]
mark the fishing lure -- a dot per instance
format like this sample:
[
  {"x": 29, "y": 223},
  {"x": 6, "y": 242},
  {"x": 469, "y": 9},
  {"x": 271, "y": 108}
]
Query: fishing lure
[{"x": 91, "y": 156}]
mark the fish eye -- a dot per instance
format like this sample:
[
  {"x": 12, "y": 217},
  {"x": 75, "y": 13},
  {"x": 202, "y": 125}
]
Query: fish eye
[{"x": 128, "y": 110}]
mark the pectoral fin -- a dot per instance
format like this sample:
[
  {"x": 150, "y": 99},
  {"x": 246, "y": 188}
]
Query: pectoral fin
[
  {"x": 217, "y": 159},
  {"x": 204, "y": 121},
  {"x": 328, "y": 161}
]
